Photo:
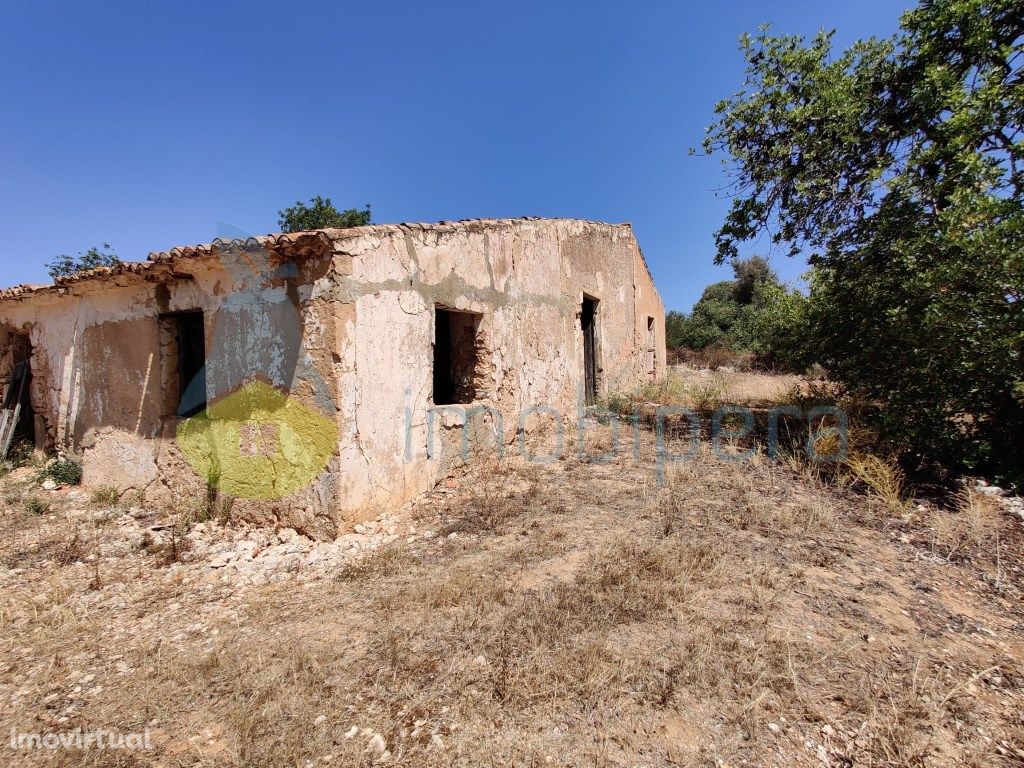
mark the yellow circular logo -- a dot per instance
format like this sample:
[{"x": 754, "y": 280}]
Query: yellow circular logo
[{"x": 258, "y": 443}]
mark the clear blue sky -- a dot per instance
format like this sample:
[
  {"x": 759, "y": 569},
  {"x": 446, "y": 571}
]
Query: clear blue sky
[{"x": 145, "y": 124}]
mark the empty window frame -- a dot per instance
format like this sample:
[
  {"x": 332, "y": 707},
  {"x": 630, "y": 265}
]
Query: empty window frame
[
  {"x": 184, "y": 350},
  {"x": 455, "y": 356}
]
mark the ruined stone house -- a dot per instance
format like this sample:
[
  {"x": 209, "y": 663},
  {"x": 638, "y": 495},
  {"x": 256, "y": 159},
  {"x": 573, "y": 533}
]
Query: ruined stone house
[{"x": 378, "y": 342}]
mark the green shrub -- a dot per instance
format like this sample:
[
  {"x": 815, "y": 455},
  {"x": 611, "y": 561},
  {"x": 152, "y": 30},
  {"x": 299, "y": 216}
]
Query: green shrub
[
  {"x": 726, "y": 316},
  {"x": 895, "y": 168},
  {"x": 321, "y": 214},
  {"x": 95, "y": 257},
  {"x": 618, "y": 403},
  {"x": 63, "y": 472}
]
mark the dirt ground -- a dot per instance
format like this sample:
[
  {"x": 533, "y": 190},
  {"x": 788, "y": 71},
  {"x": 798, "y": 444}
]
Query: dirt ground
[
  {"x": 572, "y": 613},
  {"x": 707, "y": 389}
]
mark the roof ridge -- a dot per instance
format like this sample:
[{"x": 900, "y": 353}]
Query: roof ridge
[
  {"x": 284, "y": 238},
  {"x": 307, "y": 240}
]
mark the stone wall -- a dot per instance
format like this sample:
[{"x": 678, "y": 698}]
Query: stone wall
[
  {"x": 346, "y": 331},
  {"x": 525, "y": 280}
]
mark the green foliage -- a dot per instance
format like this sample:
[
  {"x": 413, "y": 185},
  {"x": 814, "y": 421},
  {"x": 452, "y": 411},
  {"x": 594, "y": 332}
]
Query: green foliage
[
  {"x": 675, "y": 329},
  {"x": 321, "y": 214},
  {"x": 63, "y": 472},
  {"x": 754, "y": 313},
  {"x": 778, "y": 329},
  {"x": 898, "y": 167},
  {"x": 616, "y": 403},
  {"x": 715, "y": 319},
  {"x": 97, "y": 256},
  {"x": 751, "y": 274}
]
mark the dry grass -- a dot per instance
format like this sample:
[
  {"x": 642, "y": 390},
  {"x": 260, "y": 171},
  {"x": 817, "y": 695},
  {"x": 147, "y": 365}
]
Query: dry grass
[
  {"x": 35, "y": 505},
  {"x": 845, "y": 458},
  {"x": 104, "y": 496},
  {"x": 170, "y": 551},
  {"x": 581, "y": 615},
  {"x": 24, "y": 454},
  {"x": 971, "y": 530},
  {"x": 882, "y": 479},
  {"x": 706, "y": 391}
]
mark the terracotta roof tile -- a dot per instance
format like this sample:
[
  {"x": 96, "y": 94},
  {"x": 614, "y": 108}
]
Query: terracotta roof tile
[{"x": 303, "y": 243}]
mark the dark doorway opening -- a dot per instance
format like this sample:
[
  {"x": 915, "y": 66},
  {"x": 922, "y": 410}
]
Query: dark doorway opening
[
  {"x": 18, "y": 420},
  {"x": 588, "y": 322},
  {"x": 455, "y": 356},
  {"x": 190, "y": 340},
  {"x": 650, "y": 346}
]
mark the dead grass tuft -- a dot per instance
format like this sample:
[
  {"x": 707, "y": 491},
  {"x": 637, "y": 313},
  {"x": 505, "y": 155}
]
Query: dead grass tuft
[
  {"x": 170, "y": 550},
  {"x": 381, "y": 563},
  {"x": 882, "y": 479},
  {"x": 970, "y": 530},
  {"x": 499, "y": 496},
  {"x": 104, "y": 496},
  {"x": 72, "y": 548},
  {"x": 34, "y": 505}
]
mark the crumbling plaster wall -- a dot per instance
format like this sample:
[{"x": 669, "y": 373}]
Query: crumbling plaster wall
[
  {"x": 262, "y": 323},
  {"x": 364, "y": 330},
  {"x": 58, "y": 328},
  {"x": 648, "y": 304},
  {"x": 526, "y": 280},
  {"x": 97, "y": 364}
]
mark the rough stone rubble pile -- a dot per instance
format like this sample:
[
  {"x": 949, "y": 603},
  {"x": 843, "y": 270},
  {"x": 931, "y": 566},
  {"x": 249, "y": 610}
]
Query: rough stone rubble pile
[
  {"x": 261, "y": 555},
  {"x": 1013, "y": 504},
  {"x": 234, "y": 552}
]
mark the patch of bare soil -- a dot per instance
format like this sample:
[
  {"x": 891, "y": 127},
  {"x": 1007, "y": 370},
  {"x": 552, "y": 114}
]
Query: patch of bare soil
[{"x": 573, "y": 613}]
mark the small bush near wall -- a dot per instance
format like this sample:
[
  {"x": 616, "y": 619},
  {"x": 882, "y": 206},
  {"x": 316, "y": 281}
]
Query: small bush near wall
[{"x": 63, "y": 472}]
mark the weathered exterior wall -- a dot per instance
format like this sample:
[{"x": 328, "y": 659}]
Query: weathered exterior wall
[
  {"x": 526, "y": 280},
  {"x": 62, "y": 334},
  {"x": 99, "y": 377},
  {"x": 348, "y": 332},
  {"x": 649, "y": 306}
]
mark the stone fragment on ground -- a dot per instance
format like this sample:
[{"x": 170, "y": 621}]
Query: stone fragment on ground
[{"x": 1012, "y": 504}]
